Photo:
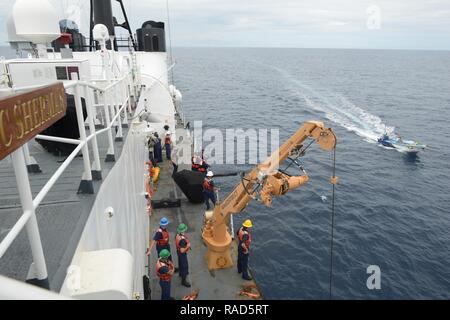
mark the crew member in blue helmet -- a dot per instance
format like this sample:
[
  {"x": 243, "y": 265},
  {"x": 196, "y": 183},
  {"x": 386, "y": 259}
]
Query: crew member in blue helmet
[{"x": 161, "y": 238}]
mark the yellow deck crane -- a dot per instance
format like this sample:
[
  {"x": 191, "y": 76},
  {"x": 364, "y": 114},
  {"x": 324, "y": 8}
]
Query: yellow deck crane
[{"x": 262, "y": 183}]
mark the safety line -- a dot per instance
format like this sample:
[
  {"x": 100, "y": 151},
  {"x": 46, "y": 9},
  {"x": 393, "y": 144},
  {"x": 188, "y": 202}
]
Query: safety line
[{"x": 332, "y": 225}]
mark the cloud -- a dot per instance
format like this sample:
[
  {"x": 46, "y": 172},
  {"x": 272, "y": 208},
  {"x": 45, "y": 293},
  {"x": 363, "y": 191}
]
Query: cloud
[{"x": 324, "y": 23}]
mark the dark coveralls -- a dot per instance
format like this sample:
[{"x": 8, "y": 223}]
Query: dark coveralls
[
  {"x": 164, "y": 284},
  {"x": 157, "y": 153},
  {"x": 168, "y": 145},
  {"x": 208, "y": 192},
  {"x": 242, "y": 263},
  {"x": 157, "y": 237},
  {"x": 183, "y": 265}
]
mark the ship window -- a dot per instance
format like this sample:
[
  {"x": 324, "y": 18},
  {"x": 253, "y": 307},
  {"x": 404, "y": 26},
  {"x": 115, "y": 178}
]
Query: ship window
[{"x": 61, "y": 73}]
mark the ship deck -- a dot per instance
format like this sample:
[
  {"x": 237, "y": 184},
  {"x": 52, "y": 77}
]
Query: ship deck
[
  {"x": 222, "y": 284},
  {"x": 61, "y": 216}
]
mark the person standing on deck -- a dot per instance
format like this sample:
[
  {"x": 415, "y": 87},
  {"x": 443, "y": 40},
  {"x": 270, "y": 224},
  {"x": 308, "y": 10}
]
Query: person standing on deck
[
  {"x": 151, "y": 142},
  {"x": 245, "y": 239},
  {"x": 183, "y": 246},
  {"x": 161, "y": 238},
  {"x": 209, "y": 190},
  {"x": 157, "y": 148},
  {"x": 203, "y": 167},
  {"x": 164, "y": 271},
  {"x": 168, "y": 144},
  {"x": 196, "y": 162}
]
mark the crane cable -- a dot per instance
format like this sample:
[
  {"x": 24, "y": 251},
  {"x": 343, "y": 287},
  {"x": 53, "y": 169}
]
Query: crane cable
[{"x": 332, "y": 224}]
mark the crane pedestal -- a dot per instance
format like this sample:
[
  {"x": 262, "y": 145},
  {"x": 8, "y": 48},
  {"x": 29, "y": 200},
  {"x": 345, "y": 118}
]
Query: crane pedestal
[{"x": 218, "y": 254}]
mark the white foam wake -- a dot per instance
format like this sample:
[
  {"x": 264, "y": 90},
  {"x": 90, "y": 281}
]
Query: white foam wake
[{"x": 339, "y": 109}]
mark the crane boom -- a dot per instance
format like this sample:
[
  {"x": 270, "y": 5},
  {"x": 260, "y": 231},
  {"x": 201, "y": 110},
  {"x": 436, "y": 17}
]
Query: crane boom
[{"x": 265, "y": 181}]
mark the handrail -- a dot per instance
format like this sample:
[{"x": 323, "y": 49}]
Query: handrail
[
  {"x": 68, "y": 85},
  {"x": 50, "y": 183},
  {"x": 22, "y": 221},
  {"x": 14, "y": 232},
  {"x": 117, "y": 89}
]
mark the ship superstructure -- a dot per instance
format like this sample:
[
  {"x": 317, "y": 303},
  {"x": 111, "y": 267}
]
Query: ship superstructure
[
  {"x": 77, "y": 200},
  {"x": 87, "y": 187}
]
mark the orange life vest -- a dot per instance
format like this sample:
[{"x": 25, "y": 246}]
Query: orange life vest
[
  {"x": 165, "y": 239},
  {"x": 178, "y": 239},
  {"x": 166, "y": 276},
  {"x": 207, "y": 185},
  {"x": 241, "y": 234}
]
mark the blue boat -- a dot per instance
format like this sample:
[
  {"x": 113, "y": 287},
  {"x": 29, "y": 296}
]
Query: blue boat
[{"x": 404, "y": 146}]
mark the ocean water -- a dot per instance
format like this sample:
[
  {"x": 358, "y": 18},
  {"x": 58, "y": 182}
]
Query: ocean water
[{"x": 392, "y": 210}]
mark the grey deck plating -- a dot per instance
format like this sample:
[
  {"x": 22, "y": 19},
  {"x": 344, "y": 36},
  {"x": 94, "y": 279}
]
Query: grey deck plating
[{"x": 61, "y": 216}]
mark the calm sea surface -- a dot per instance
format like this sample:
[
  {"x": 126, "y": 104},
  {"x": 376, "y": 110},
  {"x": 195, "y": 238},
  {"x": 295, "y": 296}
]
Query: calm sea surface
[{"x": 392, "y": 210}]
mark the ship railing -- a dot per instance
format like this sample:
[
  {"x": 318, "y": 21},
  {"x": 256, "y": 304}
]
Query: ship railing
[{"x": 116, "y": 100}]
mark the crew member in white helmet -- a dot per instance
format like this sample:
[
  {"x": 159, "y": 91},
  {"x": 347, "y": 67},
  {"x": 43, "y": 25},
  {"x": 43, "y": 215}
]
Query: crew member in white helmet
[
  {"x": 209, "y": 190},
  {"x": 168, "y": 144}
]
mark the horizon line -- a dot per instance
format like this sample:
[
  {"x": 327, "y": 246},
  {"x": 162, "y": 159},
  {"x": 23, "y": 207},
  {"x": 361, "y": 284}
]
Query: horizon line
[
  {"x": 290, "y": 47},
  {"x": 311, "y": 48}
]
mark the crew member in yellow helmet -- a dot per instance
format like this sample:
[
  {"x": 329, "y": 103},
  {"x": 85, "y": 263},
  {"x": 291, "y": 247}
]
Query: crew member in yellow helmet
[{"x": 245, "y": 239}]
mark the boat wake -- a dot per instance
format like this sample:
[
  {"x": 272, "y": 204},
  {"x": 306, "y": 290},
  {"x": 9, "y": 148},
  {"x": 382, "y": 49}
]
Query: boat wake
[{"x": 339, "y": 109}]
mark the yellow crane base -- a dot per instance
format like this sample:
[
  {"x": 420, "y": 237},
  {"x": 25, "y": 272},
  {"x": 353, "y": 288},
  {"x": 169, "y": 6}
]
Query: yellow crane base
[
  {"x": 219, "y": 260},
  {"x": 218, "y": 254}
]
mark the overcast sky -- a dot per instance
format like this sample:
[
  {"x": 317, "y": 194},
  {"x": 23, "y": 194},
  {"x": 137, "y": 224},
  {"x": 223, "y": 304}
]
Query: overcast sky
[{"x": 380, "y": 24}]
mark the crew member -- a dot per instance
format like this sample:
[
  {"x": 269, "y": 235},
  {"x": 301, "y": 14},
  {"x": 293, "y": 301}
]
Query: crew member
[
  {"x": 157, "y": 148},
  {"x": 245, "y": 239},
  {"x": 164, "y": 271},
  {"x": 168, "y": 144},
  {"x": 151, "y": 142},
  {"x": 161, "y": 238},
  {"x": 183, "y": 246},
  {"x": 203, "y": 166},
  {"x": 209, "y": 190},
  {"x": 196, "y": 162}
]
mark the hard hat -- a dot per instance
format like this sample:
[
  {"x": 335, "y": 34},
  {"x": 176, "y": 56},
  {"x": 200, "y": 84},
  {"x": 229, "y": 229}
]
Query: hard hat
[
  {"x": 163, "y": 222},
  {"x": 164, "y": 254},
  {"x": 182, "y": 228},
  {"x": 210, "y": 174},
  {"x": 248, "y": 224}
]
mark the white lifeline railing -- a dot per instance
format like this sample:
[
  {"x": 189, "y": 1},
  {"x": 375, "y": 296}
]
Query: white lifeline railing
[{"x": 116, "y": 98}]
